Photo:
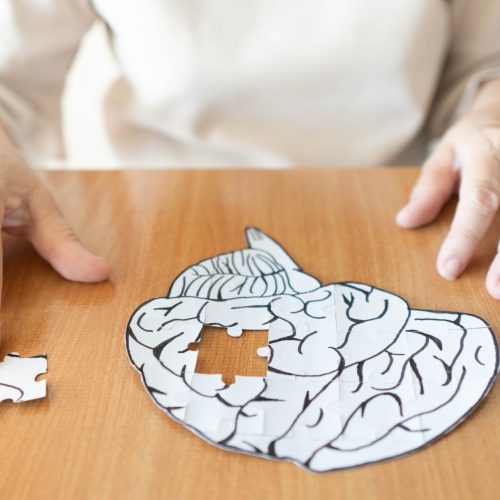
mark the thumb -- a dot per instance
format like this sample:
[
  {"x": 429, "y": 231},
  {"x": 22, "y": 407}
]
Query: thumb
[{"x": 56, "y": 242}]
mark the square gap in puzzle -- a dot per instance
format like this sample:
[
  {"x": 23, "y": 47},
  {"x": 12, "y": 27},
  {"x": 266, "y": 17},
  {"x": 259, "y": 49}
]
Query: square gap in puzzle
[{"x": 221, "y": 353}]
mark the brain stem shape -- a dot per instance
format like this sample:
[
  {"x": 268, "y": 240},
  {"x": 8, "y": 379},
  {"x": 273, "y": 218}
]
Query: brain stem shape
[{"x": 354, "y": 375}]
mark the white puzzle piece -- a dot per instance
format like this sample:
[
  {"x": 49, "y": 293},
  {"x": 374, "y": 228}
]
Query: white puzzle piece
[
  {"x": 354, "y": 374},
  {"x": 17, "y": 378}
]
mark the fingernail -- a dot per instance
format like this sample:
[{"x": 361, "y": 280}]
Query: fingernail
[{"x": 451, "y": 269}]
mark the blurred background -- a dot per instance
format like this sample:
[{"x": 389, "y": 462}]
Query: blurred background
[{"x": 93, "y": 71}]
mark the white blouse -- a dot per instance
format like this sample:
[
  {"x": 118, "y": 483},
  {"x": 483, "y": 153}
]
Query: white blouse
[{"x": 257, "y": 83}]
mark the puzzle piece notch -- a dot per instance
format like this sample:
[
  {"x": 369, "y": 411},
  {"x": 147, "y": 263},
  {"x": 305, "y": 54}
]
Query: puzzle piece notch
[{"x": 18, "y": 378}]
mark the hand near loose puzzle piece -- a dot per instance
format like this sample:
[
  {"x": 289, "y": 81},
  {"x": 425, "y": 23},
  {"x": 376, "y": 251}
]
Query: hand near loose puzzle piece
[
  {"x": 18, "y": 378},
  {"x": 349, "y": 373}
]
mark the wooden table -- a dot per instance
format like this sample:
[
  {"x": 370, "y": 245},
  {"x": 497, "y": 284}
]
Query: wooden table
[{"x": 98, "y": 434}]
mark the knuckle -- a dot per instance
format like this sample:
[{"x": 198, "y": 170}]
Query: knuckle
[
  {"x": 481, "y": 143},
  {"x": 492, "y": 135},
  {"x": 484, "y": 197},
  {"x": 62, "y": 235},
  {"x": 470, "y": 235},
  {"x": 64, "y": 232}
]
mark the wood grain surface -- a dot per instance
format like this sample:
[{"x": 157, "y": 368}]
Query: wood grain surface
[{"x": 99, "y": 435}]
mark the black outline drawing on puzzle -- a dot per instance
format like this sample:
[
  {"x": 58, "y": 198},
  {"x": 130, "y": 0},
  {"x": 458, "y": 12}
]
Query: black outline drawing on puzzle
[{"x": 355, "y": 376}]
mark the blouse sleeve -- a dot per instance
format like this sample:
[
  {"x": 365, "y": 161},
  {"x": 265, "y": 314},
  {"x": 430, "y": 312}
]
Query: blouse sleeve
[{"x": 473, "y": 58}]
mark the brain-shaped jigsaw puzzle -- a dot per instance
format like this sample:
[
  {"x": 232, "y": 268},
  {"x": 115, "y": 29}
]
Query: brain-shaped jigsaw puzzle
[{"x": 354, "y": 375}]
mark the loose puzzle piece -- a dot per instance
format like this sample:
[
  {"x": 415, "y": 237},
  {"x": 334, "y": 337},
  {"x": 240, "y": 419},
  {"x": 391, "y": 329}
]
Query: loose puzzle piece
[
  {"x": 17, "y": 378},
  {"x": 350, "y": 373}
]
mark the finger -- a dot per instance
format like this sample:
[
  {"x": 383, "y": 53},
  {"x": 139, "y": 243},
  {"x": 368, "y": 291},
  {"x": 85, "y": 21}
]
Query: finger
[
  {"x": 433, "y": 188},
  {"x": 478, "y": 203},
  {"x": 493, "y": 276},
  {"x": 56, "y": 242}
]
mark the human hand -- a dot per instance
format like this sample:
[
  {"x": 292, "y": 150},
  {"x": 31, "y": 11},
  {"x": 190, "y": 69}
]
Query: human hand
[
  {"x": 466, "y": 160},
  {"x": 28, "y": 210}
]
